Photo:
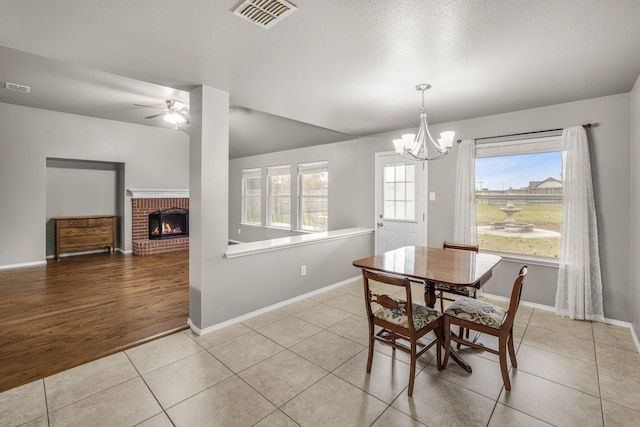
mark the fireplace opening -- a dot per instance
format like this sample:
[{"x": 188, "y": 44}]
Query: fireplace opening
[{"x": 168, "y": 223}]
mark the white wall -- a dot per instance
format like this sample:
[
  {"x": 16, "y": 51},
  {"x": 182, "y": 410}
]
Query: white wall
[
  {"x": 634, "y": 230},
  {"x": 351, "y": 187},
  {"x": 153, "y": 158}
]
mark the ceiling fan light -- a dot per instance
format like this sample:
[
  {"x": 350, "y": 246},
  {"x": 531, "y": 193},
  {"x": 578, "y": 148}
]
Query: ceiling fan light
[{"x": 174, "y": 118}]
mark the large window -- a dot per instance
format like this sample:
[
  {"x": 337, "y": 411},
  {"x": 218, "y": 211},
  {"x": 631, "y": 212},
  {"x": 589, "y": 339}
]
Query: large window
[
  {"x": 251, "y": 196},
  {"x": 519, "y": 196},
  {"x": 279, "y": 196},
  {"x": 313, "y": 183}
]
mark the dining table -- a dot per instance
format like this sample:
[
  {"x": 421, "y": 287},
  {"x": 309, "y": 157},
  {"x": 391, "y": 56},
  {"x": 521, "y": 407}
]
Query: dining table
[{"x": 430, "y": 266}]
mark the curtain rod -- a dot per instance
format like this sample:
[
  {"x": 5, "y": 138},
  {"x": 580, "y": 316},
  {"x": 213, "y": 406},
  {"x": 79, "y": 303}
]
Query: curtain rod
[{"x": 586, "y": 126}]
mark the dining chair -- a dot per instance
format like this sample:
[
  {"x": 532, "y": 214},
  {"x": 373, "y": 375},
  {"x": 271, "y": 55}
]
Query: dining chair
[
  {"x": 392, "y": 316},
  {"x": 442, "y": 288},
  {"x": 488, "y": 319}
]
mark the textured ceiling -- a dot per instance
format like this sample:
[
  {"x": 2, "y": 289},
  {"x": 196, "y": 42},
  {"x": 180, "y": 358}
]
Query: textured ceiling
[{"x": 343, "y": 67}]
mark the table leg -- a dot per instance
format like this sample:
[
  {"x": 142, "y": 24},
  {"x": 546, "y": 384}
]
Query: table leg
[
  {"x": 430, "y": 294},
  {"x": 430, "y": 301},
  {"x": 459, "y": 360}
]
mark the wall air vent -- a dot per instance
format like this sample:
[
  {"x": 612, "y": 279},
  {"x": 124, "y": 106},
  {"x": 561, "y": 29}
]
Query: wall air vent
[
  {"x": 16, "y": 87},
  {"x": 264, "y": 13}
]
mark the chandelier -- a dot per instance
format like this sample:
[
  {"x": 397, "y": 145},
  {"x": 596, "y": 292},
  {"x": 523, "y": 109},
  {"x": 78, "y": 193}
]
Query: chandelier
[{"x": 414, "y": 147}]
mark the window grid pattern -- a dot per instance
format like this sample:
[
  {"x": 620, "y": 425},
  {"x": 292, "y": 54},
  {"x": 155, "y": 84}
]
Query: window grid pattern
[
  {"x": 399, "y": 192},
  {"x": 314, "y": 196},
  {"x": 279, "y": 199},
  {"x": 251, "y": 197}
]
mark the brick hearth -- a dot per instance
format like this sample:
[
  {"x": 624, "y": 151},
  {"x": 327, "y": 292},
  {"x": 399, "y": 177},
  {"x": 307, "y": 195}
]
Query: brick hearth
[{"x": 140, "y": 209}]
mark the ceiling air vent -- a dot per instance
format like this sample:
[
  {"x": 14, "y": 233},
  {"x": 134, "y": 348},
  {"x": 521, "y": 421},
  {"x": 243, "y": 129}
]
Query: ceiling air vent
[
  {"x": 16, "y": 87},
  {"x": 264, "y": 13}
]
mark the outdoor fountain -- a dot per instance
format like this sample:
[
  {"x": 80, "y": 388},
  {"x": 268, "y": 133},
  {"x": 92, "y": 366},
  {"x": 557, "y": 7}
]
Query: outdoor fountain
[{"x": 510, "y": 224}]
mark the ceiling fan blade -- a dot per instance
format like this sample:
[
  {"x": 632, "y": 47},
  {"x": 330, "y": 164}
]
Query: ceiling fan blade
[
  {"x": 151, "y": 106},
  {"x": 154, "y": 116}
]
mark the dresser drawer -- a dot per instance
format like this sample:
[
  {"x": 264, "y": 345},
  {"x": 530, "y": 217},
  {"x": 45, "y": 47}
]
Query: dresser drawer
[
  {"x": 64, "y": 223},
  {"x": 69, "y": 232},
  {"x": 93, "y": 222},
  {"x": 86, "y": 241}
]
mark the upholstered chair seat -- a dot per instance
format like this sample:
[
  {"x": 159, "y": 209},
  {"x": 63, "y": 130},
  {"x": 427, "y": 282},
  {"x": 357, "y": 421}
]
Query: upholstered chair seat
[
  {"x": 422, "y": 315},
  {"x": 478, "y": 312}
]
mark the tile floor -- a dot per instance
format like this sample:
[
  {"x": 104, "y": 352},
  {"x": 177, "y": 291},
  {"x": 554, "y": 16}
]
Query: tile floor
[{"x": 304, "y": 364}]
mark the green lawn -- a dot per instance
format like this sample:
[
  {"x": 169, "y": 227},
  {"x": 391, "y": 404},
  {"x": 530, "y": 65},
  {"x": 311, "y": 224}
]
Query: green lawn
[{"x": 545, "y": 217}]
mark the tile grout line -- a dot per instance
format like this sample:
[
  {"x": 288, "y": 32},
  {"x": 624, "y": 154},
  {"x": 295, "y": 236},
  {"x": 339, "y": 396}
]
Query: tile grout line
[
  {"x": 46, "y": 402},
  {"x": 595, "y": 356},
  {"x": 150, "y": 391}
]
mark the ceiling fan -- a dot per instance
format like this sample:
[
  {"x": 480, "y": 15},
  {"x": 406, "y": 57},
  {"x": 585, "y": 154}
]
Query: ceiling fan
[{"x": 174, "y": 112}]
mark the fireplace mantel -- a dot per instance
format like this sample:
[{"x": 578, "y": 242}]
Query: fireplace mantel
[{"x": 157, "y": 194}]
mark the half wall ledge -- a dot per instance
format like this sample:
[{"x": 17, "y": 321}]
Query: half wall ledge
[{"x": 251, "y": 248}]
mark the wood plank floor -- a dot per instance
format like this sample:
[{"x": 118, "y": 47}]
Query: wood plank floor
[{"x": 81, "y": 308}]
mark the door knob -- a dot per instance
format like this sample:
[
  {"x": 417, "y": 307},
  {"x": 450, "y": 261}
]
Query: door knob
[{"x": 380, "y": 224}]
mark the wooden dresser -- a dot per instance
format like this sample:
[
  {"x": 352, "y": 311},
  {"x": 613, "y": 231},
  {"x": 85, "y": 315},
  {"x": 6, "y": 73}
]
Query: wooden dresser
[{"x": 75, "y": 234}]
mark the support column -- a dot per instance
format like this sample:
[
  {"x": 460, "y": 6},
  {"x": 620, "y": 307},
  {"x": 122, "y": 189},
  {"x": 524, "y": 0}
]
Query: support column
[{"x": 208, "y": 193}]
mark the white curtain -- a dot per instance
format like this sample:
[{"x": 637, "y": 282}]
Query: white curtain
[
  {"x": 464, "y": 217},
  {"x": 579, "y": 292}
]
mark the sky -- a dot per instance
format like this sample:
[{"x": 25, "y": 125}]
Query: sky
[{"x": 500, "y": 173}]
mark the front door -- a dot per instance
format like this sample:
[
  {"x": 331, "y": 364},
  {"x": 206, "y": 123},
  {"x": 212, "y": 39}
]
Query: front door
[{"x": 400, "y": 202}]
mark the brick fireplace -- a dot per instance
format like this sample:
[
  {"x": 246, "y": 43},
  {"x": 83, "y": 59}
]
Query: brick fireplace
[{"x": 144, "y": 203}]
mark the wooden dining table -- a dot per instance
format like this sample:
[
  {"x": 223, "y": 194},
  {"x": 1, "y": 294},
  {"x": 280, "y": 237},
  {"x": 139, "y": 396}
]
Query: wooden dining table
[{"x": 435, "y": 265}]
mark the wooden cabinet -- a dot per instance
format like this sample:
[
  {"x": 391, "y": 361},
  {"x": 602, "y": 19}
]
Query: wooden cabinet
[{"x": 75, "y": 234}]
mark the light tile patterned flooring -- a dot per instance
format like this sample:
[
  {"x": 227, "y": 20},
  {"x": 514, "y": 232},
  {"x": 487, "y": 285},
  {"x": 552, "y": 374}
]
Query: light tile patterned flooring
[{"x": 304, "y": 364}]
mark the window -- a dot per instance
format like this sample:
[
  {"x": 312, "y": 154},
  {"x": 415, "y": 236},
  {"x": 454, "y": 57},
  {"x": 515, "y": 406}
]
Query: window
[
  {"x": 313, "y": 182},
  {"x": 251, "y": 196},
  {"x": 519, "y": 196},
  {"x": 400, "y": 191},
  {"x": 279, "y": 196}
]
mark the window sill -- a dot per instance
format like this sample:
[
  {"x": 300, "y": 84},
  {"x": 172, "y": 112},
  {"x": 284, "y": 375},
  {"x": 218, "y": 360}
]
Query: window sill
[
  {"x": 273, "y": 227},
  {"x": 244, "y": 224},
  {"x": 528, "y": 259}
]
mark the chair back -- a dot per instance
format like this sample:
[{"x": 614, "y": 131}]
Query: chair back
[
  {"x": 460, "y": 246},
  {"x": 385, "y": 300},
  {"x": 516, "y": 293}
]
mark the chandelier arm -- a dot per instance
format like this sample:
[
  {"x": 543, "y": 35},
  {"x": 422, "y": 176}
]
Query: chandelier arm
[
  {"x": 408, "y": 155},
  {"x": 426, "y": 127}
]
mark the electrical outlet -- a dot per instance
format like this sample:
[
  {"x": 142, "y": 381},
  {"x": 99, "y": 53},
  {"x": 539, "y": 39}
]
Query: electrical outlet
[
  {"x": 303, "y": 270},
  {"x": 239, "y": 230},
  {"x": 432, "y": 196}
]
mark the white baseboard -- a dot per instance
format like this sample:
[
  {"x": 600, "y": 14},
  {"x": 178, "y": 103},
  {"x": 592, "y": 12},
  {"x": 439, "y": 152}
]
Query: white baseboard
[
  {"x": 23, "y": 265},
  {"x": 244, "y": 317}
]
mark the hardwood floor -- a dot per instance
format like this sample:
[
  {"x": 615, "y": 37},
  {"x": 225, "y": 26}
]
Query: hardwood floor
[{"x": 81, "y": 308}]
